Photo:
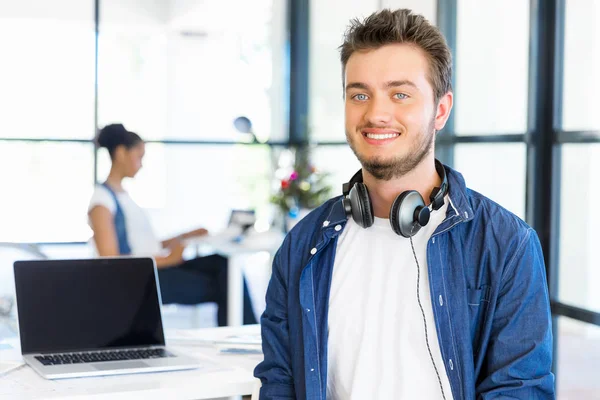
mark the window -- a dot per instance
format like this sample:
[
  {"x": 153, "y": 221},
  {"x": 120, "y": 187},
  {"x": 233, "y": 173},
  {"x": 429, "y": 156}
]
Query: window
[
  {"x": 339, "y": 162},
  {"x": 47, "y": 188},
  {"x": 579, "y": 214},
  {"x": 184, "y": 187},
  {"x": 581, "y": 65},
  {"x": 486, "y": 170},
  {"x": 491, "y": 67},
  {"x": 186, "y": 70},
  {"x": 47, "y": 77}
]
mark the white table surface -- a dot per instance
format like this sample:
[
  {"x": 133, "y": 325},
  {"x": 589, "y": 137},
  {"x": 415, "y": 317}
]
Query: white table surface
[
  {"x": 225, "y": 374},
  {"x": 235, "y": 251}
]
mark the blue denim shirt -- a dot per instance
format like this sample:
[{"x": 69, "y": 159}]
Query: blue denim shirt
[{"x": 488, "y": 291}]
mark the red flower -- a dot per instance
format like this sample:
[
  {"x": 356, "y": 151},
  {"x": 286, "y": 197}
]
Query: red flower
[{"x": 285, "y": 184}]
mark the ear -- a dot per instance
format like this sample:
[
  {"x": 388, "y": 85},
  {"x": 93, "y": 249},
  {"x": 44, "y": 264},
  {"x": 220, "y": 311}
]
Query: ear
[
  {"x": 444, "y": 107},
  {"x": 120, "y": 153}
]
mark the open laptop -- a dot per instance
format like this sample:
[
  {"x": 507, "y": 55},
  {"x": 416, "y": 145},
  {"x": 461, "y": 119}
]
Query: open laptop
[{"x": 92, "y": 317}]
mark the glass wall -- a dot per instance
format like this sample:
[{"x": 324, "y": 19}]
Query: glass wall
[
  {"x": 578, "y": 237},
  {"x": 183, "y": 72},
  {"x": 492, "y": 67},
  {"x": 581, "y": 64},
  {"x": 494, "y": 90},
  {"x": 187, "y": 69},
  {"x": 486, "y": 170},
  {"x": 47, "y": 81},
  {"x": 176, "y": 72}
]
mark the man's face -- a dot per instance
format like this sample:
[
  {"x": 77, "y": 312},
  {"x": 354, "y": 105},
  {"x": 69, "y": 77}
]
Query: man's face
[{"x": 390, "y": 111}]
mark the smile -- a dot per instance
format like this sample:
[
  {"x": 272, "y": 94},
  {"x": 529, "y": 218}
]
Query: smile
[{"x": 381, "y": 136}]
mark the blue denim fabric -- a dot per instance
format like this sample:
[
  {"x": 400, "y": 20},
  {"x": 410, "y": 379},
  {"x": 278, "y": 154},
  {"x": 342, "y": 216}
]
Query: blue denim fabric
[{"x": 488, "y": 290}]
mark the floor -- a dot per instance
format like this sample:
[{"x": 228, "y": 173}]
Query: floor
[{"x": 578, "y": 360}]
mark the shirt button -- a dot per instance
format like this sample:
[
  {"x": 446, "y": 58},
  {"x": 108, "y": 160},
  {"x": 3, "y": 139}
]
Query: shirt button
[
  {"x": 466, "y": 214},
  {"x": 441, "y": 300},
  {"x": 326, "y": 223},
  {"x": 313, "y": 250},
  {"x": 451, "y": 365},
  {"x": 308, "y": 310},
  {"x": 433, "y": 240},
  {"x": 338, "y": 227},
  {"x": 312, "y": 370}
]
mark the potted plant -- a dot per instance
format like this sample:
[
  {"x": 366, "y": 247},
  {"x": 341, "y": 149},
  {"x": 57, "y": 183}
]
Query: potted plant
[{"x": 301, "y": 187}]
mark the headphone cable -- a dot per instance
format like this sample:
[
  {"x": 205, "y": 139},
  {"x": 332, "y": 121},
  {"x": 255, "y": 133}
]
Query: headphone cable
[{"x": 424, "y": 320}]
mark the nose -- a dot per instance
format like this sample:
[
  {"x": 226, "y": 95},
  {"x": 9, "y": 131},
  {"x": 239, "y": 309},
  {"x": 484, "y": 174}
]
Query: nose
[{"x": 379, "y": 111}]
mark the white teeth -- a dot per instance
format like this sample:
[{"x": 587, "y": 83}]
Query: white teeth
[{"x": 378, "y": 136}]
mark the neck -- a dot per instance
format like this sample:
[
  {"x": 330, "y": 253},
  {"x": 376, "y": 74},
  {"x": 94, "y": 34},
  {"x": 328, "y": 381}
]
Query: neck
[
  {"x": 382, "y": 194},
  {"x": 115, "y": 180}
]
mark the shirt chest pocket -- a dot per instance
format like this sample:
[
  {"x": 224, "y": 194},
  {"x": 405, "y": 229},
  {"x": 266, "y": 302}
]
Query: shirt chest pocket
[{"x": 478, "y": 301}]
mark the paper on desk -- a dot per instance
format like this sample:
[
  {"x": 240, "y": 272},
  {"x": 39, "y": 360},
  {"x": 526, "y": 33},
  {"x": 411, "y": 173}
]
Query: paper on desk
[
  {"x": 241, "y": 339},
  {"x": 241, "y": 344}
]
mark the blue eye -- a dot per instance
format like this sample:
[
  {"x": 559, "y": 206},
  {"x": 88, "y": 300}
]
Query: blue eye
[
  {"x": 400, "y": 96},
  {"x": 360, "y": 97}
]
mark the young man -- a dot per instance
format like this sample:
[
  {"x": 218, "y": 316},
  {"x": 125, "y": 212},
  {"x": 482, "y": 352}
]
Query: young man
[{"x": 411, "y": 285}]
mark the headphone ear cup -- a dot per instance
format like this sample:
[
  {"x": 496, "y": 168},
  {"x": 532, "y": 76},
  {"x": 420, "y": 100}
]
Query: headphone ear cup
[
  {"x": 362, "y": 209},
  {"x": 402, "y": 213}
]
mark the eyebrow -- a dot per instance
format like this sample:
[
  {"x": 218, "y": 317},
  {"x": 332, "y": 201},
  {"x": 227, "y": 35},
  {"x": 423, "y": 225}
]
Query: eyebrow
[{"x": 387, "y": 85}]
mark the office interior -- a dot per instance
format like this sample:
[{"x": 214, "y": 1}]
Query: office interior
[{"x": 524, "y": 129}]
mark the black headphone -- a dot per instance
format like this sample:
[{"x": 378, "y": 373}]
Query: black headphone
[{"x": 408, "y": 213}]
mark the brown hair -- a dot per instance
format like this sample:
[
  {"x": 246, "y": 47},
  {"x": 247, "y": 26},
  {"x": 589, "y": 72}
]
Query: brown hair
[{"x": 402, "y": 26}]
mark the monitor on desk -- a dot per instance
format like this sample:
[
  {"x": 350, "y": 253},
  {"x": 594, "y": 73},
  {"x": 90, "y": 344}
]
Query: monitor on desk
[{"x": 243, "y": 218}]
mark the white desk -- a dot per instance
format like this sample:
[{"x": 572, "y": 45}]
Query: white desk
[
  {"x": 233, "y": 376},
  {"x": 224, "y": 245}
]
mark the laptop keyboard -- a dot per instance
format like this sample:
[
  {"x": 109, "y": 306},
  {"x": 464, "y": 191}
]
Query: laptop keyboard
[{"x": 100, "y": 356}]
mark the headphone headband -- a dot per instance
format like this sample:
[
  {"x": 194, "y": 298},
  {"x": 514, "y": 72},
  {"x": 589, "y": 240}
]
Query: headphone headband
[
  {"x": 437, "y": 194},
  {"x": 356, "y": 178}
]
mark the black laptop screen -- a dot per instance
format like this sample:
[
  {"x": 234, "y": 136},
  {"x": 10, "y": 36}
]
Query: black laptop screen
[{"x": 72, "y": 305}]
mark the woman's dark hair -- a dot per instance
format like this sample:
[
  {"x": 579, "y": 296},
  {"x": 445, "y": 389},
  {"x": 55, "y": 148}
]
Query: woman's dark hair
[{"x": 115, "y": 135}]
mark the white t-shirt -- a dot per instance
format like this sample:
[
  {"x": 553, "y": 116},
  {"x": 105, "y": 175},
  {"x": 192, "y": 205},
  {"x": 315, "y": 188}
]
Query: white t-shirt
[
  {"x": 141, "y": 237},
  {"x": 377, "y": 347}
]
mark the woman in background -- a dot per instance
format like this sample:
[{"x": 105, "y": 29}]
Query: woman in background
[{"x": 121, "y": 227}]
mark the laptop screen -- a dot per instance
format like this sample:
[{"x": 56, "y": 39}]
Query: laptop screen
[{"x": 74, "y": 305}]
